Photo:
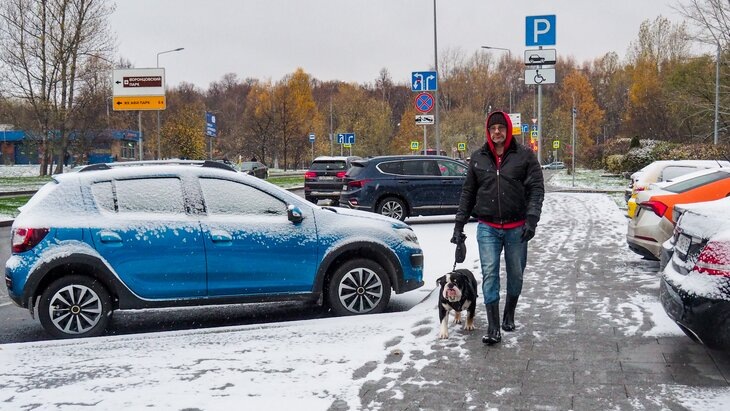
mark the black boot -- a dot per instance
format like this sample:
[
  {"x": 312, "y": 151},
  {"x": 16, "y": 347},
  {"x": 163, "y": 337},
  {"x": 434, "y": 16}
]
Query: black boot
[
  {"x": 493, "y": 335},
  {"x": 508, "y": 321}
]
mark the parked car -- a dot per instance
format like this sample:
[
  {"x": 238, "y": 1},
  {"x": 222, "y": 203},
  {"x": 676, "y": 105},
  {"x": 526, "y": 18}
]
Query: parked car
[
  {"x": 404, "y": 186},
  {"x": 654, "y": 222},
  {"x": 695, "y": 284},
  {"x": 555, "y": 165},
  {"x": 325, "y": 177},
  {"x": 255, "y": 168},
  {"x": 171, "y": 234},
  {"x": 663, "y": 170}
]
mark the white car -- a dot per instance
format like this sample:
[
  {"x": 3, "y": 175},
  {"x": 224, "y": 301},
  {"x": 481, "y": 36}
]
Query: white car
[
  {"x": 664, "y": 170},
  {"x": 654, "y": 221}
]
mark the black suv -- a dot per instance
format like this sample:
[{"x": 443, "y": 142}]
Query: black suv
[
  {"x": 325, "y": 178},
  {"x": 404, "y": 186}
]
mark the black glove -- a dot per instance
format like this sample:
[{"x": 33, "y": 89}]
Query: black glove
[
  {"x": 460, "y": 253},
  {"x": 458, "y": 236},
  {"x": 528, "y": 230}
]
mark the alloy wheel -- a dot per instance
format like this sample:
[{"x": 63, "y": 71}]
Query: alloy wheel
[
  {"x": 392, "y": 209},
  {"x": 75, "y": 309},
  {"x": 360, "y": 290}
]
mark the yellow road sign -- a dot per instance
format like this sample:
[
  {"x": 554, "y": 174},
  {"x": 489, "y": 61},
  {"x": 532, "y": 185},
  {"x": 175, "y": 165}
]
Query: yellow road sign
[
  {"x": 414, "y": 145},
  {"x": 556, "y": 144},
  {"x": 461, "y": 146},
  {"x": 121, "y": 103}
]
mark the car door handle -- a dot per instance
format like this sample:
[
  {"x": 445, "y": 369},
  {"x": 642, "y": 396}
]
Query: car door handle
[
  {"x": 109, "y": 237},
  {"x": 220, "y": 236}
]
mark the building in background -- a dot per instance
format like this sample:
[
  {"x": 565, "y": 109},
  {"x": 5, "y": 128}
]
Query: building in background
[{"x": 103, "y": 146}]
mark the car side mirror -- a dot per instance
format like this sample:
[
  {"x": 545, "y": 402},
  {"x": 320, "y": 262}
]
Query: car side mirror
[{"x": 294, "y": 214}]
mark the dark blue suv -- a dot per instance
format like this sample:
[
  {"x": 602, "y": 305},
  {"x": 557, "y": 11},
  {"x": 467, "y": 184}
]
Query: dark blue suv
[
  {"x": 131, "y": 236},
  {"x": 404, "y": 186}
]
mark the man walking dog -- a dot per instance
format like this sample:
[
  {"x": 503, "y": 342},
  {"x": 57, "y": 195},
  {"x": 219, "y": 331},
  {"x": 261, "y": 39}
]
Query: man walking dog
[{"x": 504, "y": 189}]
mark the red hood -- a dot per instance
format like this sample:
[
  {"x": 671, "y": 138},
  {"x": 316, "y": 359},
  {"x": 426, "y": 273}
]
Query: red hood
[{"x": 508, "y": 140}]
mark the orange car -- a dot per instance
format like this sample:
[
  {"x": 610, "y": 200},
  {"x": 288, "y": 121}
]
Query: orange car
[{"x": 654, "y": 222}]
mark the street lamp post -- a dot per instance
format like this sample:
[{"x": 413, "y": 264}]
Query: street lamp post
[
  {"x": 717, "y": 90},
  {"x": 436, "y": 124},
  {"x": 157, "y": 157},
  {"x": 509, "y": 57}
]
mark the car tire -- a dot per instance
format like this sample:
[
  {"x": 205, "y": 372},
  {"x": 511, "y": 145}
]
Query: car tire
[
  {"x": 311, "y": 199},
  {"x": 358, "y": 286},
  {"x": 392, "y": 207},
  {"x": 75, "y": 306}
]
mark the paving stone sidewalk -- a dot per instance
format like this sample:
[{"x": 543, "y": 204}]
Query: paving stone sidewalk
[{"x": 583, "y": 342}]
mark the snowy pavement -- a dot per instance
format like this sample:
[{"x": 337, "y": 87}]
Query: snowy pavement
[{"x": 591, "y": 335}]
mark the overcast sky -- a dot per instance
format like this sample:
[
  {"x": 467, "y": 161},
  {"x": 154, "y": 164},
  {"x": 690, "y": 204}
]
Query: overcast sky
[{"x": 352, "y": 40}]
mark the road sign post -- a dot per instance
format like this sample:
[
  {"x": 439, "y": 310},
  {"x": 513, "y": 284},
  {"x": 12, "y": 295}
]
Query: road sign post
[
  {"x": 311, "y": 141},
  {"x": 211, "y": 130},
  {"x": 428, "y": 81},
  {"x": 540, "y": 31}
]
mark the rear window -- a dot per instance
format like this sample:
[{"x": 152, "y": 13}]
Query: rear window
[
  {"x": 328, "y": 165},
  {"x": 698, "y": 181},
  {"x": 356, "y": 169},
  {"x": 675, "y": 171}
]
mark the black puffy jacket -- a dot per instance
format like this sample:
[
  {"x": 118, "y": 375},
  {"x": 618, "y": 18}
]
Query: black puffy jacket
[{"x": 512, "y": 193}]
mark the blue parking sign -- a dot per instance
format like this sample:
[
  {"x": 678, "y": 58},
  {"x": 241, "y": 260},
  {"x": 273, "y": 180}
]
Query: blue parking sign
[{"x": 540, "y": 30}]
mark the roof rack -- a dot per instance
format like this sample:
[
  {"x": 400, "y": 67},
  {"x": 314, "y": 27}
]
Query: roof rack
[{"x": 203, "y": 163}]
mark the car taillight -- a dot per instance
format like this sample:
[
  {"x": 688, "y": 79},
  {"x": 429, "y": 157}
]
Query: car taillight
[
  {"x": 357, "y": 183},
  {"x": 23, "y": 239},
  {"x": 714, "y": 259},
  {"x": 310, "y": 174},
  {"x": 341, "y": 174},
  {"x": 657, "y": 207}
]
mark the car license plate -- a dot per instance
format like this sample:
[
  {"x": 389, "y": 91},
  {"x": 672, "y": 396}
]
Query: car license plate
[
  {"x": 326, "y": 178},
  {"x": 683, "y": 243}
]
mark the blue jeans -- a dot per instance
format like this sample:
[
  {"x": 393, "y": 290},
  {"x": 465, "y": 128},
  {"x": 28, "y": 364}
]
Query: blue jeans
[{"x": 491, "y": 242}]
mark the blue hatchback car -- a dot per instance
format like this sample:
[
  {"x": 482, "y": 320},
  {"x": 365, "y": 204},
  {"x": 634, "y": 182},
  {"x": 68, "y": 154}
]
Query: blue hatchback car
[{"x": 152, "y": 234}]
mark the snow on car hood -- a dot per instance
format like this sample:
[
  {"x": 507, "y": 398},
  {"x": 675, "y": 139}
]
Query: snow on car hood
[{"x": 368, "y": 215}]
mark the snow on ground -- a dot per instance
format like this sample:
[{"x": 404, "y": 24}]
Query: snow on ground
[
  {"x": 30, "y": 170},
  {"x": 311, "y": 364}
]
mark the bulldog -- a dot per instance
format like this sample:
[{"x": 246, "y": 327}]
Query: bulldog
[{"x": 458, "y": 292}]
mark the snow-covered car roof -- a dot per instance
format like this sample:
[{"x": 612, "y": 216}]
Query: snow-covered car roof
[{"x": 704, "y": 219}]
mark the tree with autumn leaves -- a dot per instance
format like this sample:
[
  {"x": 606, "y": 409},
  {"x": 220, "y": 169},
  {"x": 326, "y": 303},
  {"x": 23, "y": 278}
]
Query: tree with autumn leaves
[{"x": 659, "y": 91}]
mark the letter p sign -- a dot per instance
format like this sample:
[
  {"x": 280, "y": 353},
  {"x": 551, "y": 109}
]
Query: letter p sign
[{"x": 540, "y": 30}]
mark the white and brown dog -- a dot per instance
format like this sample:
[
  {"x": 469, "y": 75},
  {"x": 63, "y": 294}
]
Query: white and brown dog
[{"x": 458, "y": 292}]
